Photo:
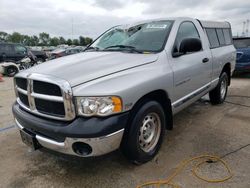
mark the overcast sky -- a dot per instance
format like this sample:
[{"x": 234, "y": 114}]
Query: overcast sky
[{"x": 92, "y": 17}]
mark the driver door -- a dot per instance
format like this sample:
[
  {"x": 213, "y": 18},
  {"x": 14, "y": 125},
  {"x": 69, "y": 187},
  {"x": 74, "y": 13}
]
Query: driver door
[{"x": 191, "y": 73}]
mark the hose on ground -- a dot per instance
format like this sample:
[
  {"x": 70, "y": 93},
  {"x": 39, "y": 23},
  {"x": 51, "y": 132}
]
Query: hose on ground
[{"x": 202, "y": 159}]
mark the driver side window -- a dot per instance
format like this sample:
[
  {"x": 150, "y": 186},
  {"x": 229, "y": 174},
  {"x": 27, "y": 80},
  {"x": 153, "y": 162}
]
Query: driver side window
[
  {"x": 20, "y": 49},
  {"x": 186, "y": 30}
]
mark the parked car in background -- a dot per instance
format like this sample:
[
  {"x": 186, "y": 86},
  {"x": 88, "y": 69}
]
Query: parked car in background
[
  {"x": 57, "y": 53},
  {"x": 10, "y": 68},
  {"x": 64, "y": 52},
  {"x": 40, "y": 55},
  {"x": 12, "y": 52},
  {"x": 15, "y": 52},
  {"x": 242, "y": 44},
  {"x": 81, "y": 48}
]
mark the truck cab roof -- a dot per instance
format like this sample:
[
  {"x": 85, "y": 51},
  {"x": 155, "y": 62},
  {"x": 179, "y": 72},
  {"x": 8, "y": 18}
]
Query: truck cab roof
[{"x": 204, "y": 23}]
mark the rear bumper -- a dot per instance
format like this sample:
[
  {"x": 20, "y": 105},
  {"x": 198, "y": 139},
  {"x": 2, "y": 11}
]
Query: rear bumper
[{"x": 103, "y": 135}]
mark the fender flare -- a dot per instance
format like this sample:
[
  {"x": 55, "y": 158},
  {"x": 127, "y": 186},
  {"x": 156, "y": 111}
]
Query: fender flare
[{"x": 7, "y": 64}]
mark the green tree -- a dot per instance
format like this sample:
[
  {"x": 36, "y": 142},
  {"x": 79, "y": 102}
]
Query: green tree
[
  {"x": 34, "y": 40},
  {"x": 15, "y": 37},
  {"x": 3, "y": 36},
  {"x": 82, "y": 41},
  {"x": 26, "y": 40},
  {"x": 44, "y": 39},
  {"x": 88, "y": 40},
  {"x": 62, "y": 40},
  {"x": 69, "y": 42},
  {"x": 76, "y": 42},
  {"x": 54, "y": 41}
]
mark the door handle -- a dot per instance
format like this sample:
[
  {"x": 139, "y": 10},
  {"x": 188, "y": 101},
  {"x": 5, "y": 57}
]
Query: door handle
[{"x": 205, "y": 60}]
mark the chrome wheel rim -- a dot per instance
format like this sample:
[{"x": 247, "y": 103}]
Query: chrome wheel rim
[
  {"x": 223, "y": 88},
  {"x": 150, "y": 131}
]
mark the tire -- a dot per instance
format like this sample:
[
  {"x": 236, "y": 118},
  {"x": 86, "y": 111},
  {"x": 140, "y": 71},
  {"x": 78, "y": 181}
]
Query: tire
[
  {"x": 219, "y": 94},
  {"x": 11, "y": 71},
  {"x": 39, "y": 61},
  {"x": 136, "y": 144}
]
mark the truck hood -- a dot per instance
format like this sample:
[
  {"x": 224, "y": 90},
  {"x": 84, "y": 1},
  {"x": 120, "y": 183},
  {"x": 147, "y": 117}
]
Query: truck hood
[{"x": 87, "y": 66}]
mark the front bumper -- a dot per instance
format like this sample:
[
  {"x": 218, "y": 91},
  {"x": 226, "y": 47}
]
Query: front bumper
[{"x": 98, "y": 133}]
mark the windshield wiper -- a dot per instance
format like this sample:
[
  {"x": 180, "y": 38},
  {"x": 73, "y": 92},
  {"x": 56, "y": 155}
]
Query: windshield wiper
[
  {"x": 120, "y": 46},
  {"x": 92, "y": 48},
  {"x": 124, "y": 47}
]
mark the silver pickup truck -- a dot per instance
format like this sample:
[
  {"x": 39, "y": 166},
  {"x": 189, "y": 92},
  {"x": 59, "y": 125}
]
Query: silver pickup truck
[{"x": 123, "y": 91}]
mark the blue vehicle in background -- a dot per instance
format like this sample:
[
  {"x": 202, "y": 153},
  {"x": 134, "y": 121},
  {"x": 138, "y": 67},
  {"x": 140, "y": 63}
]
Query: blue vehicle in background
[{"x": 242, "y": 44}]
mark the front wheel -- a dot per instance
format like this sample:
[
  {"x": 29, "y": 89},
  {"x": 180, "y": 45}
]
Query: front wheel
[
  {"x": 145, "y": 133},
  {"x": 11, "y": 71},
  {"x": 218, "y": 94}
]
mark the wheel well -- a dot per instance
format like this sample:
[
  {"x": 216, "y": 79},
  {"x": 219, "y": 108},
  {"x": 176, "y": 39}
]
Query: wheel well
[
  {"x": 162, "y": 97},
  {"x": 227, "y": 69}
]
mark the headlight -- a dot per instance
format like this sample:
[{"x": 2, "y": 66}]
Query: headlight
[{"x": 100, "y": 106}]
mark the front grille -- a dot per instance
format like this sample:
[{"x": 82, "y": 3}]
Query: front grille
[
  {"x": 21, "y": 83},
  {"x": 47, "y": 96},
  {"x": 46, "y": 88},
  {"x": 24, "y": 99},
  {"x": 52, "y": 108}
]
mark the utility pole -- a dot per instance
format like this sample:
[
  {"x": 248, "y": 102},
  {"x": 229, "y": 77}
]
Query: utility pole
[
  {"x": 247, "y": 27},
  {"x": 72, "y": 29},
  {"x": 243, "y": 29}
]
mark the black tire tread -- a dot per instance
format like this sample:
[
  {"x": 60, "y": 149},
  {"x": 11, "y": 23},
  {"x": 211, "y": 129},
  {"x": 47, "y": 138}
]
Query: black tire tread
[
  {"x": 11, "y": 75},
  {"x": 214, "y": 95},
  {"x": 128, "y": 146}
]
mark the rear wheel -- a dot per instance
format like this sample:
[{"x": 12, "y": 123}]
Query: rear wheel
[
  {"x": 218, "y": 94},
  {"x": 144, "y": 136}
]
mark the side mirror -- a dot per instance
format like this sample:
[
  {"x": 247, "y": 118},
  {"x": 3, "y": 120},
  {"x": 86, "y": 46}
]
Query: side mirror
[{"x": 188, "y": 45}]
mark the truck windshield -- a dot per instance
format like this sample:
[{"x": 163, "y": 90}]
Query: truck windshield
[{"x": 146, "y": 37}]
